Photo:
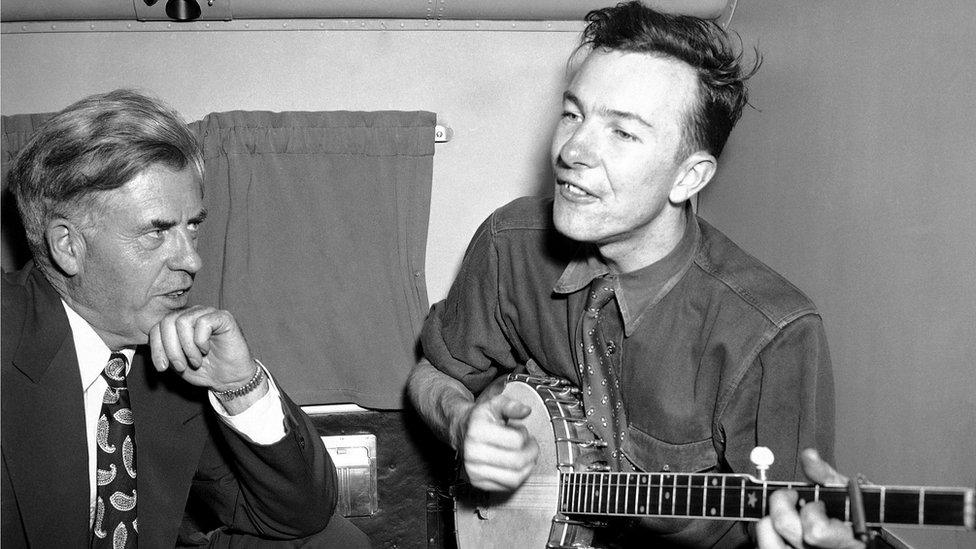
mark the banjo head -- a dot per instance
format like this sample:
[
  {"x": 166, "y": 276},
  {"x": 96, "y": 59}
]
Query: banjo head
[{"x": 528, "y": 516}]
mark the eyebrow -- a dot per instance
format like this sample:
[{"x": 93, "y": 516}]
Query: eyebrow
[
  {"x": 162, "y": 225},
  {"x": 612, "y": 113}
]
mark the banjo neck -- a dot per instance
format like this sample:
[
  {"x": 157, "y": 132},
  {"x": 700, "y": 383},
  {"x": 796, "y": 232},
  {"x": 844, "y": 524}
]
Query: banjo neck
[{"x": 743, "y": 497}]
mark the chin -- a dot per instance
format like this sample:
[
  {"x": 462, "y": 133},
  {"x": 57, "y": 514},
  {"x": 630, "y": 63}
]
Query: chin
[
  {"x": 576, "y": 231},
  {"x": 570, "y": 224}
]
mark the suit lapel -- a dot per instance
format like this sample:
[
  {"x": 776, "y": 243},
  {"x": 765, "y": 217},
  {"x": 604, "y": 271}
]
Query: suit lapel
[
  {"x": 170, "y": 435},
  {"x": 44, "y": 439}
]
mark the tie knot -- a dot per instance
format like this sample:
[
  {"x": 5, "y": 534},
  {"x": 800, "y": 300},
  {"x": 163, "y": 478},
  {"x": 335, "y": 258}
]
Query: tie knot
[
  {"x": 599, "y": 294},
  {"x": 114, "y": 372}
]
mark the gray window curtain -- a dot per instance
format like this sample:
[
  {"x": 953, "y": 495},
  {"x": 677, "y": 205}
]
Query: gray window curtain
[
  {"x": 15, "y": 130},
  {"x": 315, "y": 240}
]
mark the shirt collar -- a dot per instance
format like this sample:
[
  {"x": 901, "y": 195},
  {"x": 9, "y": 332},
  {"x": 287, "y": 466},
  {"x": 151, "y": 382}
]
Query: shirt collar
[
  {"x": 636, "y": 291},
  {"x": 92, "y": 352}
]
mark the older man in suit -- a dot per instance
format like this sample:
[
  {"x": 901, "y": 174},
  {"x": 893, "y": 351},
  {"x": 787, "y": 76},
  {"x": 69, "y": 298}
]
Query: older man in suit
[{"x": 128, "y": 418}]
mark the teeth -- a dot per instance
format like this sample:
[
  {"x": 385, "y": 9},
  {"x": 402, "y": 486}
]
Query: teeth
[{"x": 573, "y": 189}]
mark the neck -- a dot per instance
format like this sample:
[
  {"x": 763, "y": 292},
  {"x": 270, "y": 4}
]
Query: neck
[
  {"x": 111, "y": 339},
  {"x": 647, "y": 244}
]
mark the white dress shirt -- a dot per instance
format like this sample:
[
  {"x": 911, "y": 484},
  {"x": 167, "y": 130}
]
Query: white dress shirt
[{"x": 262, "y": 423}]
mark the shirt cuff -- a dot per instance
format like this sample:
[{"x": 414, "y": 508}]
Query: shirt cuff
[{"x": 263, "y": 422}]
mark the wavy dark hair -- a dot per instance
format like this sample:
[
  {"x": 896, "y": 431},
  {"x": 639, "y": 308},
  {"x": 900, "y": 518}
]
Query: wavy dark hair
[
  {"x": 97, "y": 144},
  {"x": 701, "y": 43}
]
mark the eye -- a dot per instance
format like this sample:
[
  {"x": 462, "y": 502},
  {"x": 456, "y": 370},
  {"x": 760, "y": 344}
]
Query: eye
[
  {"x": 153, "y": 238},
  {"x": 570, "y": 116},
  {"x": 626, "y": 136}
]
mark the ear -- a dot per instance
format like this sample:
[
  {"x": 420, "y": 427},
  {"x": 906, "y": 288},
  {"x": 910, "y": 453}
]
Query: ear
[
  {"x": 696, "y": 171},
  {"x": 66, "y": 245}
]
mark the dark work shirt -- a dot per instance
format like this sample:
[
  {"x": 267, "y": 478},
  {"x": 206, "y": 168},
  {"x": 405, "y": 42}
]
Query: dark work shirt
[{"x": 720, "y": 354}]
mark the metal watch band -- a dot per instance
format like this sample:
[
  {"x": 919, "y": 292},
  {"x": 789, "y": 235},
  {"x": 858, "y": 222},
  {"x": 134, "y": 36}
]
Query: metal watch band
[{"x": 251, "y": 385}]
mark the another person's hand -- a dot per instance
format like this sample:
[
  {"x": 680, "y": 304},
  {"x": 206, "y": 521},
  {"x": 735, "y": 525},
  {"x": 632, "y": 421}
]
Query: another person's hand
[
  {"x": 497, "y": 456},
  {"x": 204, "y": 346},
  {"x": 785, "y": 527}
]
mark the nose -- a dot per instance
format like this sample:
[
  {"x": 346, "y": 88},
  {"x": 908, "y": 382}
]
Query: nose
[
  {"x": 185, "y": 256},
  {"x": 578, "y": 148}
]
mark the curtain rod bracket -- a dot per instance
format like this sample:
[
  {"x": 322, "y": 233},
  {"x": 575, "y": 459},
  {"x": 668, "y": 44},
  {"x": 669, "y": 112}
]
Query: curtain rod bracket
[{"x": 442, "y": 134}]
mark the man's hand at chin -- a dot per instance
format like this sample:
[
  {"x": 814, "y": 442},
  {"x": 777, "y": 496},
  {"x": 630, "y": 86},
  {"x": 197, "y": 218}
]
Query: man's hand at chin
[{"x": 206, "y": 347}]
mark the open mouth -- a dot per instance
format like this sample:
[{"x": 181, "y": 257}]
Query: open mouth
[{"x": 571, "y": 190}]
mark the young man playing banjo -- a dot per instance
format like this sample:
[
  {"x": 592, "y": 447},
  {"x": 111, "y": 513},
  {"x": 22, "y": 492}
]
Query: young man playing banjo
[{"x": 687, "y": 351}]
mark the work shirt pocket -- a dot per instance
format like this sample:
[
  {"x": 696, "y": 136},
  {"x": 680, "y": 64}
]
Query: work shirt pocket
[{"x": 651, "y": 455}]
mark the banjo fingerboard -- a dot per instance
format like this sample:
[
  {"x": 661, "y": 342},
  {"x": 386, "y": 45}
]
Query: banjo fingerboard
[{"x": 741, "y": 497}]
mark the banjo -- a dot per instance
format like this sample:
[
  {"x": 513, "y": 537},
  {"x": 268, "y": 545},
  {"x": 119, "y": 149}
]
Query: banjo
[{"x": 568, "y": 493}]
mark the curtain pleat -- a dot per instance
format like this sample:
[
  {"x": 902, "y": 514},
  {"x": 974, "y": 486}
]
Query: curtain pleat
[{"x": 315, "y": 240}]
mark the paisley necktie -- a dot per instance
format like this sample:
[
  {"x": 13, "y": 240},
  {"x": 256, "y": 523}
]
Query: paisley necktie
[
  {"x": 114, "y": 524},
  {"x": 598, "y": 326}
]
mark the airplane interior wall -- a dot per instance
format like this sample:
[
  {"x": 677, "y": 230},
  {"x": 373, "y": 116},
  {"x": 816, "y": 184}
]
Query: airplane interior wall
[{"x": 852, "y": 176}]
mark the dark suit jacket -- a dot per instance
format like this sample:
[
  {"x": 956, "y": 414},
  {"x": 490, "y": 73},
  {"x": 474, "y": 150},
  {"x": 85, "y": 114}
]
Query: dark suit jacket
[{"x": 186, "y": 457}]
